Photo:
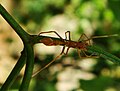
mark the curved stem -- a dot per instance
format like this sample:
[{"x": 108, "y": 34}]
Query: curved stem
[
  {"x": 17, "y": 28},
  {"x": 14, "y": 72},
  {"x": 28, "y": 46},
  {"x": 28, "y": 69}
]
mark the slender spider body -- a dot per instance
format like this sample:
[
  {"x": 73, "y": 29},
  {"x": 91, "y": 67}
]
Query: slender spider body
[
  {"x": 80, "y": 45},
  {"x": 64, "y": 42},
  {"x": 51, "y": 42}
]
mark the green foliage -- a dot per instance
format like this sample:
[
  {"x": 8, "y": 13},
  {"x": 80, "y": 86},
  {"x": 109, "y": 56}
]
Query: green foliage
[
  {"x": 93, "y": 17},
  {"x": 100, "y": 84}
]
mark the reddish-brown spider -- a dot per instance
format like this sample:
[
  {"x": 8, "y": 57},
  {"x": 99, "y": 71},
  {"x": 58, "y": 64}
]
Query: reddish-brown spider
[{"x": 80, "y": 45}]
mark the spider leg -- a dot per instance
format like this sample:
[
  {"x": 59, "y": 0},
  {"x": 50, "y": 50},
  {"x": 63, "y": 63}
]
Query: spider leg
[
  {"x": 68, "y": 35},
  {"x": 69, "y": 38},
  {"x": 89, "y": 56},
  {"x": 51, "y": 32},
  {"x": 84, "y": 36},
  {"x": 78, "y": 50},
  {"x": 47, "y": 65}
]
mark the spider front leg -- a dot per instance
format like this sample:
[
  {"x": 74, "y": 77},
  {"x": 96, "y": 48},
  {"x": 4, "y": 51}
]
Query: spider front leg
[
  {"x": 84, "y": 36},
  {"x": 51, "y": 32},
  {"x": 83, "y": 50},
  {"x": 69, "y": 39}
]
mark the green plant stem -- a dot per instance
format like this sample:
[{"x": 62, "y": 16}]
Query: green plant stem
[
  {"x": 28, "y": 69},
  {"x": 27, "y": 45},
  {"x": 17, "y": 28},
  {"x": 102, "y": 53},
  {"x": 14, "y": 72}
]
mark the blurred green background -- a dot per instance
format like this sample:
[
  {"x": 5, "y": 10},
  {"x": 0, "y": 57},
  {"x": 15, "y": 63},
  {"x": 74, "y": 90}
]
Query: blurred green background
[{"x": 69, "y": 73}]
